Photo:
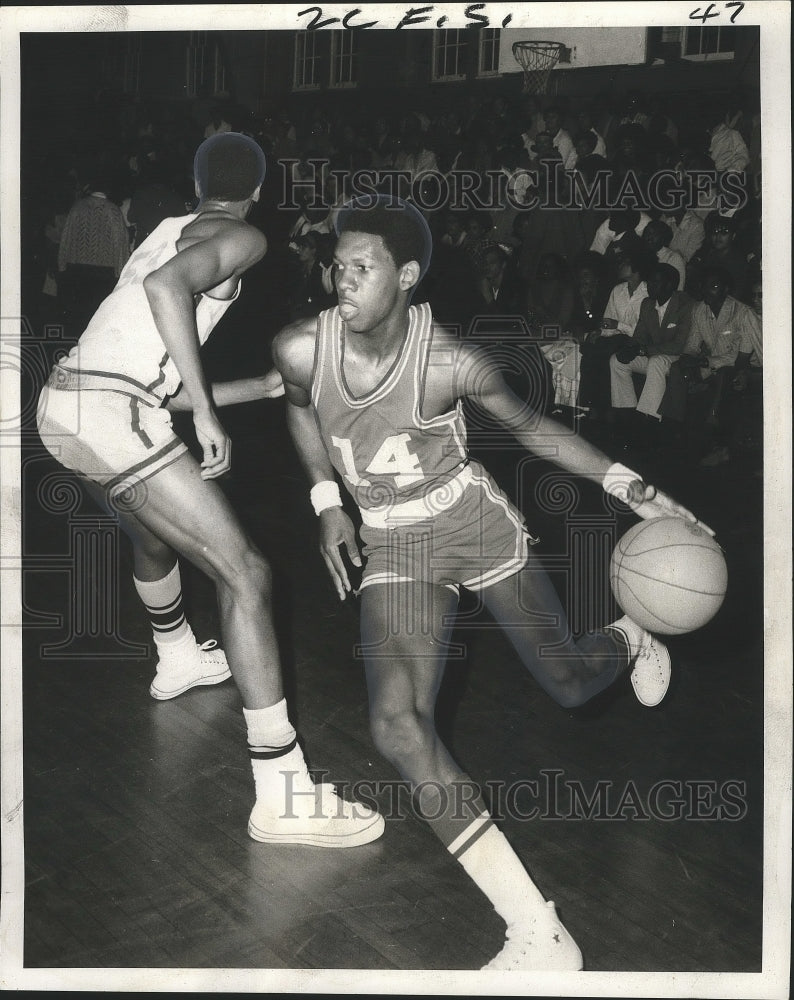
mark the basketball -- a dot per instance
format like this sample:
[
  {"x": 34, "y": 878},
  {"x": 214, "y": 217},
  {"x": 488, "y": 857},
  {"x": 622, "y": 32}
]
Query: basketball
[{"x": 668, "y": 575}]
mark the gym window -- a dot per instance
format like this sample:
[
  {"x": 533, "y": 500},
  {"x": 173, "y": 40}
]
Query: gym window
[
  {"x": 307, "y": 61},
  {"x": 708, "y": 43},
  {"x": 488, "y": 55},
  {"x": 449, "y": 54},
  {"x": 344, "y": 58},
  {"x": 697, "y": 44},
  {"x": 205, "y": 67}
]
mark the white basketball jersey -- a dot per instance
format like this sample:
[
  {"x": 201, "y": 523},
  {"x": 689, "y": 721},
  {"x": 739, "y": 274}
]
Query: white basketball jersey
[{"x": 122, "y": 337}]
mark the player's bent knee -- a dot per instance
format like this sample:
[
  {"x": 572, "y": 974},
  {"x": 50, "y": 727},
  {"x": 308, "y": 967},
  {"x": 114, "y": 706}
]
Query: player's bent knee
[
  {"x": 244, "y": 572},
  {"x": 400, "y": 736},
  {"x": 570, "y": 696}
]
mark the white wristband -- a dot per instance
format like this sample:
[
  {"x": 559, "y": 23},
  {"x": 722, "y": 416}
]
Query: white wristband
[
  {"x": 324, "y": 495},
  {"x": 618, "y": 479}
]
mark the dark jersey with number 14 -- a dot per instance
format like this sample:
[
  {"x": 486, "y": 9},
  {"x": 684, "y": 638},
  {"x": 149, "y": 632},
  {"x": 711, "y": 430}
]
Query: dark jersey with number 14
[{"x": 380, "y": 444}]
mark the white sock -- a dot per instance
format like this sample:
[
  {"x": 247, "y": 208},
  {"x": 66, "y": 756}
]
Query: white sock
[
  {"x": 163, "y": 602},
  {"x": 276, "y": 759},
  {"x": 634, "y": 635},
  {"x": 496, "y": 869}
]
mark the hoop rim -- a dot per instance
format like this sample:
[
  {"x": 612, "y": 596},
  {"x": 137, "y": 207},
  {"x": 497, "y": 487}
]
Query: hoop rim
[{"x": 530, "y": 44}]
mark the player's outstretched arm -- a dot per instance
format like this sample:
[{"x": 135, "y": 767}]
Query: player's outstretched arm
[
  {"x": 293, "y": 353},
  {"x": 478, "y": 378},
  {"x": 241, "y": 390},
  {"x": 171, "y": 291}
]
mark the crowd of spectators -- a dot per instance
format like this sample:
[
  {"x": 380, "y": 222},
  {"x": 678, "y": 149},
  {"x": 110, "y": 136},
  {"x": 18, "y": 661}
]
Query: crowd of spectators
[{"x": 642, "y": 311}]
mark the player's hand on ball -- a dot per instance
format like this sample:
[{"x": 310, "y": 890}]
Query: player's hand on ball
[
  {"x": 336, "y": 530},
  {"x": 647, "y": 502},
  {"x": 215, "y": 444}
]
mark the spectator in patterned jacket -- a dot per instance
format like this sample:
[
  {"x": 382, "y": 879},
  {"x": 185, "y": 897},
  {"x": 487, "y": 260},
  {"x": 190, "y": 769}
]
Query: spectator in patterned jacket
[{"x": 93, "y": 249}]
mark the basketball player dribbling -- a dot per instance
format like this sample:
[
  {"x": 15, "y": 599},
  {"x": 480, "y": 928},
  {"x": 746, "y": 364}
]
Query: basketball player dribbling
[
  {"x": 374, "y": 391},
  {"x": 103, "y": 415}
]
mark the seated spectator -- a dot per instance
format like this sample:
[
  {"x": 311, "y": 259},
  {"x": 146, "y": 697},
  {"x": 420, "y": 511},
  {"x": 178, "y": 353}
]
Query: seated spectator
[
  {"x": 661, "y": 147},
  {"x": 606, "y": 121},
  {"x": 153, "y": 199},
  {"x": 631, "y": 158},
  {"x": 415, "y": 158},
  {"x": 454, "y": 228},
  {"x": 657, "y": 236},
  {"x": 619, "y": 321},
  {"x": 217, "y": 123},
  {"x": 727, "y": 148},
  {"x": 448, "y": 141},
  {"x": 619, "y": 222},
  {"x": 93, "y": 248},
  {"x": 590, "y": 294},
  {"x": 719, "y": 250},
  {"x": 549, "y": 302},
  {"x": 499, "y": 289},
  {"x": 533, "y": 124},
  {"x": 622, "y": 311},
  {"x": 548, "y": 229},
  {"x": 589, "y": 162},
  {"x": 657, "y": 106},
  {"x": 724, "y": 343},
  {"x": 660, "y": 336},
  {"x": 564, "y": 356},
  {"x": 450, "y": 284},
  {"x": 584, "y": 119},
  {"x": 310, "y": 287},
  {"x": 560, "y": 139},
  {"x": 688, "y": 232},
  {"x": 379, "y": 139},
  {"x": 633, "y": 111},
  {"x": 519, "y": 188},
  {"x": 479, "y": 236}
]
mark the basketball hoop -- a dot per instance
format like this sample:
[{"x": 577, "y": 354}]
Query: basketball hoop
[{"x": 537, "y": 59}]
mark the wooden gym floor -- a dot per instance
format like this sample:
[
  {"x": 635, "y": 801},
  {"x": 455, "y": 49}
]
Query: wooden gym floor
[{"x": 136, "y": 849}]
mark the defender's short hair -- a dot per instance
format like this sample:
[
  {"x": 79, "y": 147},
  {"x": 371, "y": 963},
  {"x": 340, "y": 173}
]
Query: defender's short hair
[
  {"x": 401, "y": 226},
  {"x": 229, "y": 166}
]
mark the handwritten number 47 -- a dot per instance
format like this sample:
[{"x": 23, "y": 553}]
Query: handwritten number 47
[{"x": 699, "y": 14}]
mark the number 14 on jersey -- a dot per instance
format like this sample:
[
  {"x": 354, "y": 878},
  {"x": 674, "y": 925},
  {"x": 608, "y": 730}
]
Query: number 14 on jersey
[{"x": 393, "y": 458}]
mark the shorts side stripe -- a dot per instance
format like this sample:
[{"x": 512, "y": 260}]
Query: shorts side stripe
[{"x": 166, "y": 456}]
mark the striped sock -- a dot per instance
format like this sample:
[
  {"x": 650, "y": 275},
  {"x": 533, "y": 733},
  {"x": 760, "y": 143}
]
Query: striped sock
[
  {"x": 276, "y": 758},
  {"x": 163, "y": 601},
  {"x": 466, "y": 829}
]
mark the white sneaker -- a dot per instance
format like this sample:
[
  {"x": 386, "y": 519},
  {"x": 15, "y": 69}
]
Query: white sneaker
[
  {"x": 650, "y": 675},
  {"x": 541, "y": 944},
  {"x": 188, "y": 665},
  {"x": 650, "y": 670},
  {"x": 324, "y": 821}
]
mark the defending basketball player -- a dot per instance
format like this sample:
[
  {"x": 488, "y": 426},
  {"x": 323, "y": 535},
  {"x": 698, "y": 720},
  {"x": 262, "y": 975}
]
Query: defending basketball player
[
  {"x": 374, "y": 391},
  {"x": 103, "y": 415}
]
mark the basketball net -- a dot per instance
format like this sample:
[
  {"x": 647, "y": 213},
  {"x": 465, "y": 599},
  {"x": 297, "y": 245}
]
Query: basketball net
[{"x": 537, "y": 59}]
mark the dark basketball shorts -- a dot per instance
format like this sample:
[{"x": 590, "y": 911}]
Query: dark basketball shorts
[
  {"x": 106, "y": 429},
  {"x": 476, "y": 542}
]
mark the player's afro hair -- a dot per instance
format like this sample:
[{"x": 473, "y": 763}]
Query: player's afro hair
[
  {"x": 401, "y": 226},
  {"x": 229, "y": 166}
]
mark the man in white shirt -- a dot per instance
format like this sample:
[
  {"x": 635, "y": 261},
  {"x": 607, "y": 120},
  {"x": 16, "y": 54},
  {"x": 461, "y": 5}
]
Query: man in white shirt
[
  {"x": 689, "y": 232},
  {"x": 618, "y": 324},
  {"x": 728, "y": 150},
  {"x": 724, "y": 342},
  {"x": 623, "y": 307},
  {"x": 585, "y": 119},
  {"x": 561, "y": 140},
  {"x": 660, "y": 336},
  {"x": 657, "y": 236},
  {"x": 618, "y": 223}
]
